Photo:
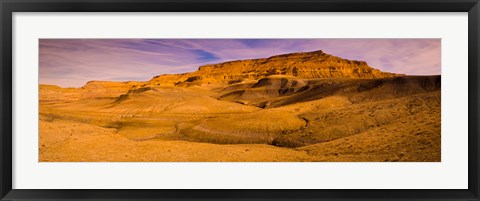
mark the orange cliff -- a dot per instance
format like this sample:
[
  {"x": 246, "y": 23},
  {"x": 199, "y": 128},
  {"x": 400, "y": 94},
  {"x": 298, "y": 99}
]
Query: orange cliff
[
  {"x": 315, "y": 64},
  {"x": 309, "y": 65}
]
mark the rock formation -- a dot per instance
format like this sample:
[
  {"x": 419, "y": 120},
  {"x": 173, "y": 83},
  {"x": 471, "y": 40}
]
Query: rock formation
[{"x": 315, "y": 64}]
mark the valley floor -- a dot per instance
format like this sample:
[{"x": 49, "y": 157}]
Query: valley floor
[{"x": 363, "y": 120}]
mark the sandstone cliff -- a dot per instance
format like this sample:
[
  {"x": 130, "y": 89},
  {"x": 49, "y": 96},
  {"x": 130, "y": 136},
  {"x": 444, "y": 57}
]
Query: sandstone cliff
[{"x": 315, "y": 64}]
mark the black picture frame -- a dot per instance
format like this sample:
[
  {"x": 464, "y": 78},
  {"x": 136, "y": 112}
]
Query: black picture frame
[{"x": 8, "y": 7}]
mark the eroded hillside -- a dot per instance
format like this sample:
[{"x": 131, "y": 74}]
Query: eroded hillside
[{"x": 295, "y": 107}]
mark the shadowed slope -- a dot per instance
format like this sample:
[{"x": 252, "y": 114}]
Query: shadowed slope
[{"x": 275, "y": 91}]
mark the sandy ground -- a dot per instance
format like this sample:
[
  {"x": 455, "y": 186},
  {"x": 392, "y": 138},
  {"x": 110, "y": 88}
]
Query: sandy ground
[{"x": 278, "y": 119}]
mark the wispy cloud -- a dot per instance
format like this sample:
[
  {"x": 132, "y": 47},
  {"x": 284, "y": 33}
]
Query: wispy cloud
[{"x": 72, "y": 62}]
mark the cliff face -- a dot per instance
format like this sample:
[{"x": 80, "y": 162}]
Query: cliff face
[{"x": 315, "y": 64}]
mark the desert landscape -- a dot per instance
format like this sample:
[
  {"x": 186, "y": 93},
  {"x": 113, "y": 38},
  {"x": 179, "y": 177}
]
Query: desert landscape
[{"x": 296, "y": 107}]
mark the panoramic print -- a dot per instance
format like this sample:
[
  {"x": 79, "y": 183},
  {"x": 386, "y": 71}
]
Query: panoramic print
[{"x": 239, "y": 100}]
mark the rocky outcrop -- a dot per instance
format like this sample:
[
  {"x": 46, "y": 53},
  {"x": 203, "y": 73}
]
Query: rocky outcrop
[
  {"x": 315, "y": 64},
  {"x": 306, "y": 65}
]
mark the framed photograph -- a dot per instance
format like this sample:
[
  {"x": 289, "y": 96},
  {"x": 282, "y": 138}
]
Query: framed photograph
[{"x": 239, "y": 100}]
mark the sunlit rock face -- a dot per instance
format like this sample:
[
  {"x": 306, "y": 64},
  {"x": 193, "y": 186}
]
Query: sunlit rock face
[{"x": 315, "y": 64}]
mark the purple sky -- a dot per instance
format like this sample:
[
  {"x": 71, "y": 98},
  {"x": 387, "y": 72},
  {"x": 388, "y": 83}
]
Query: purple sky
[{"x": 73, "y": 62}]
